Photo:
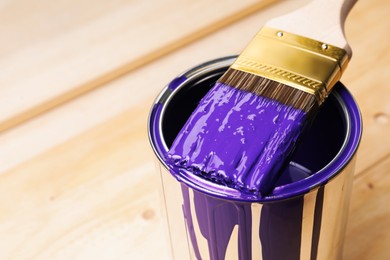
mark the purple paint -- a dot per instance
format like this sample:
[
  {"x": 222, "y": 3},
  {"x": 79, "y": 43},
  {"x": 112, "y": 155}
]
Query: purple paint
[
  {"x": 217, "y": 219},
  {"x": 177, "y": 81},
  {"x": 188, "y": 218},
  {"x": 280, "y": 225},
  {"x": 280, "y": 230},
  {"x": 238, "y": 139}
]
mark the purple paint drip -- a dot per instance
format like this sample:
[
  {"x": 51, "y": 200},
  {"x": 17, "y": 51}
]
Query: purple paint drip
[
  {"x": 217, "y": 219},
  {"x": 238, "y": 139},
  {"x": 280, "y": 223}
]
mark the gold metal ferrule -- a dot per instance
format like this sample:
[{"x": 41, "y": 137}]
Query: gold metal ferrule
[{"x": 299, "y": 62}]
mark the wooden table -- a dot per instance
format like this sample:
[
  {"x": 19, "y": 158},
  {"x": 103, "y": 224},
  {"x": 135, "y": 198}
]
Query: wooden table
[{"x": 77, "y": 79}]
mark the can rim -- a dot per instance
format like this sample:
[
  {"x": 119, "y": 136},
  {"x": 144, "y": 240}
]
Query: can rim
[{"x": 332, "y": 169}]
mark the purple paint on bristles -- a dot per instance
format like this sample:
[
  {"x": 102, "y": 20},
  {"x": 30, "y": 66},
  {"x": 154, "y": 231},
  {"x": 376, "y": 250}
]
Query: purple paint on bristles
[{"x": 237, "y": 138}]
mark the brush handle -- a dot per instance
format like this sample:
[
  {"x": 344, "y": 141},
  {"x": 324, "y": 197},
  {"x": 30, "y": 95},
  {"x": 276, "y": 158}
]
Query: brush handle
[{"x": 321, "y": 20}]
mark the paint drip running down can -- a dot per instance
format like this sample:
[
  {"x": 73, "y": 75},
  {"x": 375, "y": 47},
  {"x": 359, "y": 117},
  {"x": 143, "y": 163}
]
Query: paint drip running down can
[{"x": 305, "y": 215}]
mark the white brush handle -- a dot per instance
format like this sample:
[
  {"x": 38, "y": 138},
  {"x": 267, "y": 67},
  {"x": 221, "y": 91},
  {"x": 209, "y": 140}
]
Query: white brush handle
[{"x": 321, "y": 20}]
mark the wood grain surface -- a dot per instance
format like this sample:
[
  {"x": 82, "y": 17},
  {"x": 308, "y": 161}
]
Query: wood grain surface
[
  {"x": 53, "y": 52},
  {"x": 77, "y": 174}
]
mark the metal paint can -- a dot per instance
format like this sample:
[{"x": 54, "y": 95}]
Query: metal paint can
[{"x": 303, "y": 218}]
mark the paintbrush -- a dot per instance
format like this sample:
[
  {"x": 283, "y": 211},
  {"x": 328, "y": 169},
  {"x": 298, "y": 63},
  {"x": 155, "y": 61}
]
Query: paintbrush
[{"x": 244, "y": 131}]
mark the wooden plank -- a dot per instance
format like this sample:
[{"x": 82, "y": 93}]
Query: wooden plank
[
  {"x": 53, "y": 52},
  {"x": 369, "y": 215}
]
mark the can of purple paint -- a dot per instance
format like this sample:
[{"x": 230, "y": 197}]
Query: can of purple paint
[{"x": 305, "y": 215}]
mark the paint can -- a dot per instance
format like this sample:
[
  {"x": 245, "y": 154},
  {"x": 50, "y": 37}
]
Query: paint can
[{"x": 303, "y": 218}]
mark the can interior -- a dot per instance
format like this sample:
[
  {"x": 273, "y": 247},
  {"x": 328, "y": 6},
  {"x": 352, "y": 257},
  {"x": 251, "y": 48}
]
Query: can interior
[{"x": 320, "y": 145}]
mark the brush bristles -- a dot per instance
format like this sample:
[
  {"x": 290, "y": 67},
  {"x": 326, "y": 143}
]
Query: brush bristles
[{"x": 270, "y": 89}]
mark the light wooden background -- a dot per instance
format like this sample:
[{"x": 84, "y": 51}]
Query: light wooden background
[{"x": 77, "y": 79}]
